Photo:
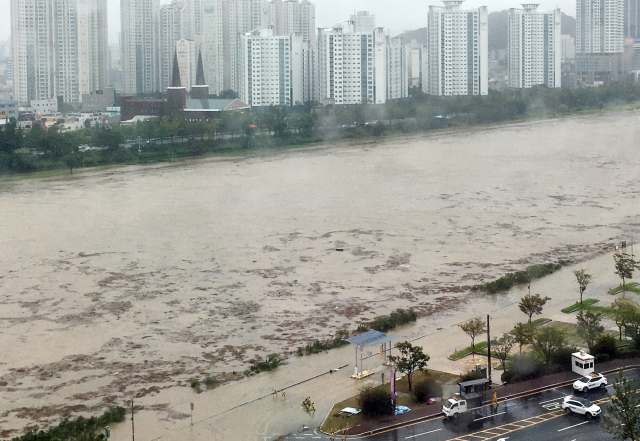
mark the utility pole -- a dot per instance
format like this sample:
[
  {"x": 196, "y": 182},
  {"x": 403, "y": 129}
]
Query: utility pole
[
  {"x": 488, "y": 350},
  {"x": 133, "y": 430}
]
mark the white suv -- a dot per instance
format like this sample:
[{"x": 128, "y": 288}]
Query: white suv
[
  {"x": 591, "y": 381},
  {"x": 581, "y": 406}
]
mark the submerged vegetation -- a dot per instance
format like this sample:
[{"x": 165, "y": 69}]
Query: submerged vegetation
[
  {"x": 86, "y": 429},
  {"x": 382, "y": 323},
  {"x": 271, "y": 363},
  {"x": 510, "y": 280}
]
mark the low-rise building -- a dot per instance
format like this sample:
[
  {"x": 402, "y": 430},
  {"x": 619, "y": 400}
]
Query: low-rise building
[
  {"x": 44, "y": 107},
  {"x": 8, "y": 109}
]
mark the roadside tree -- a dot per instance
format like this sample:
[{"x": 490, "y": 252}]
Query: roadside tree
[
  {"x": 473, "y": 328},
  {"x": 623, "y": 313},
  {"x": 589, "y": 327},
  {"x": 624, "y": 265},
  {"x": 548, "y": 341},
  {"x": 583, "y": 280},
  {"x": 523, "y": 334},
  {"x": 375, "y": 403},
  {"x": 411, "y": 359},
  {"x": 532, "y": 304},
  {"x": 623, "y": 414},
  {"x": 502, "y": 347}
]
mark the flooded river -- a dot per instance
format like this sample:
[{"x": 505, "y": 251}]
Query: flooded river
[{"x": 131, "y": 281}]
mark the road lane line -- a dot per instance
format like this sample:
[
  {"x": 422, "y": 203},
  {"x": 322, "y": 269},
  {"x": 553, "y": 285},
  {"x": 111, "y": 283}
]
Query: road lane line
[
  {"x": 420, "y": 434},
  {"x": 548, "y": 401},
  {"x": 490, "y": 416},
  {"x": 570, "y": 427}
]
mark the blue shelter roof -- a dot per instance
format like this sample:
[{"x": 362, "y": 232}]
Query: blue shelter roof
[{"x": 371, "y": 338}]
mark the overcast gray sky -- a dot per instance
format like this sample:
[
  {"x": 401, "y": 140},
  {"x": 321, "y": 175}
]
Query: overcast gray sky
[{"x": 396, "y": 15}]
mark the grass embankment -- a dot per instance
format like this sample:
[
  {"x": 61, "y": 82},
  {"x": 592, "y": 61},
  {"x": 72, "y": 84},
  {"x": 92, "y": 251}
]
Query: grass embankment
[
  {"x": 336, "y": 421},
  {"x": 577, "y": 306},
  {"x": 628, "y": 287},
  {"x": 510, "y": 280}
]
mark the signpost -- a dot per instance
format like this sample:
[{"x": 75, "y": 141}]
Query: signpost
[
  {"x": 191, "y": 414},
  {"x": 392, "y": 382}
]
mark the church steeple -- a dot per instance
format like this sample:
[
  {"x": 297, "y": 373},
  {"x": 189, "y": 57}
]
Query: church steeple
[
  {"x": 175, "y": 82},
  {"x": 200, "y": 91},
  {"x": 200, "y": 81}
]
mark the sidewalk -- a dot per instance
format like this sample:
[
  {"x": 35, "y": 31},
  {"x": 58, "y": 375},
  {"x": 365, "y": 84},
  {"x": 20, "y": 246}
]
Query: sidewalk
[{"x": 503, "y": 392}]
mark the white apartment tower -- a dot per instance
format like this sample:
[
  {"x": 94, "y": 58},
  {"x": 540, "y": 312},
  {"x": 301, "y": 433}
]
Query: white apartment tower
[
  {"x": 299, "y": 17},
  {"x": 93, "y": 45},
  {"x": 139, "y": 42},
  {"x": 599, "y": 26},
  {"x": 213, "y": 44},
  {"x": 194, "y": 17},
  {"x": 345, "y": 65},
  {"x": 391, "y": 77},
  {"x": 534, "y": 47},
  {"x": 173, "y": 26},
  {"x": 58, "y": 48},
  {"x": 456, "y": 51},
  {"x": 364, "y": 22},
  {"x": 273, "y": 68}
]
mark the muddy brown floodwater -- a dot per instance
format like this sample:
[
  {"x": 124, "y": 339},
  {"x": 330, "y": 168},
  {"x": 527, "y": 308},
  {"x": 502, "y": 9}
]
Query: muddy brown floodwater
[{"x": 125, "y": 282}]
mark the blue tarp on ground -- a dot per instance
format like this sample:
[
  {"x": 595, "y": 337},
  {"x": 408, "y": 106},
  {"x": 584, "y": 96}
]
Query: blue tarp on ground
[
  {"x": 371, "y": 338},
  {"x": 402, "y": 409}
]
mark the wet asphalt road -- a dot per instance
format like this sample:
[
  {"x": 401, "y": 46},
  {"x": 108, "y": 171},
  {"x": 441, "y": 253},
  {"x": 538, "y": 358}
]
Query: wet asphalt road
[{"x": 534, "y": 417}]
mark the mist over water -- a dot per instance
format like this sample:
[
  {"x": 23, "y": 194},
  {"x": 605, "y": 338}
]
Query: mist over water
[{"x": 174, "y": 271}]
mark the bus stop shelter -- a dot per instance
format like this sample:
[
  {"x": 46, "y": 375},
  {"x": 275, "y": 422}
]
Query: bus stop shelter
[{"x": 370, "y": 339}]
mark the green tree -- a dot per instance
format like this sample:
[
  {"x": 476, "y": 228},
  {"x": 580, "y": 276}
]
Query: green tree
[
  {"x": 375, "y": 403},
  {"x": 624, "y": 311},
  {"x": 548, "y": 341},
  {"x": 71, "y": 161},
  {"x": 589, "y": 327},
  {"x": 411, "y": 359},
  {"x": 502, "y": 347},
  {"x": 583, "y": 280},
  {"x": 624, "y": 265},
  {"x": 473, "y": 328},
  {"x": 523, "y": 333},
  {"x": 532, "y": 304},
  {"x": 623, "y": 414}
]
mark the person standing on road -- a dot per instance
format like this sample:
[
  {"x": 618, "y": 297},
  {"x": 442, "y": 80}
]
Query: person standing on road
[{"x": 494, "y": 402}]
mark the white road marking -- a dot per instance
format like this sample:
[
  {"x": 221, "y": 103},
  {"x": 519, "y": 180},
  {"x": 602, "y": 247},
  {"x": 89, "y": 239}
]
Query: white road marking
[
  {"x": 489, "y": 416},
  {"x": 420, "y": 434},
  {"x": 548, "y": 401},
  {"x": 571, "y": 427},
  {"x": 505, "y": 439}
]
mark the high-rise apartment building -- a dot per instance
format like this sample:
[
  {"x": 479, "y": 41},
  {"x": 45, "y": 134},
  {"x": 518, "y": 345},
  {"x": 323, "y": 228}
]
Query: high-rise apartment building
[
  {"x": 599, "y": 26},
  {"x": 93, "y": 36},
  {"x": 631, "y": 19},
  {"x": 273, "y": 68},
  {"x": 173, "y": 26},
  {"x": 139, "y": 42},
  {"x": 457, "y": 54},
  {"x": 213, "y": 44},
  {"x": 364, "y": 22},
  {"x": 194, "y": 17},
  {"x": 59, "y": 48},
  {"x": 391, "y": 76},
  {"x": 299, "y": 17},
  {"x": 534, "y": 47},
  {"x": 345, "y": 65}
]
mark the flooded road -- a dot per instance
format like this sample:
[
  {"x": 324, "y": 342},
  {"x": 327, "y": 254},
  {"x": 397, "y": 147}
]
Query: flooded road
[{"x": 134, "y": 281}]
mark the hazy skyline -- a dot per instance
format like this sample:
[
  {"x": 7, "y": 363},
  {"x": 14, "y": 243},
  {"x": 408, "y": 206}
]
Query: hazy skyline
[{"x": 404, "y": 15}]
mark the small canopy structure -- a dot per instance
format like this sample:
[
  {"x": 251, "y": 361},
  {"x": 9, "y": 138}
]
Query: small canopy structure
[{"x": 369, "y": 339}]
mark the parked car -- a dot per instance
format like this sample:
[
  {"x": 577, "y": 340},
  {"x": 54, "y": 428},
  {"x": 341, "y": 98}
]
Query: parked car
[
  {"x": 591, "y": 381},
  {"x": 580, "y": 406}
]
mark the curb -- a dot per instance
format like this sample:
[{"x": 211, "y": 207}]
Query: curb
[{"x": 505, "y": 398}]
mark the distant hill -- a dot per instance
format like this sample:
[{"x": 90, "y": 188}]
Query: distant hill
[{"x": 498, "y": 30}]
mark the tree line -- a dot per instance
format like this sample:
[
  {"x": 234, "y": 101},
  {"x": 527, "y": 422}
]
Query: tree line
[{"x": 274, "y": 127}]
